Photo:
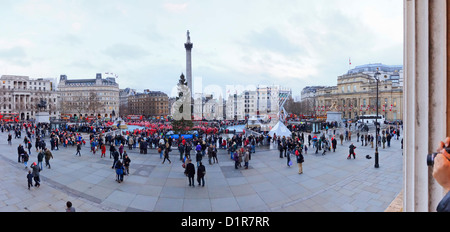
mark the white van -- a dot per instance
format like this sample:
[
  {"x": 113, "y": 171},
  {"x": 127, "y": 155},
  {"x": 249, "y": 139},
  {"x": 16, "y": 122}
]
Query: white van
[{"x": 370, "y": 119}]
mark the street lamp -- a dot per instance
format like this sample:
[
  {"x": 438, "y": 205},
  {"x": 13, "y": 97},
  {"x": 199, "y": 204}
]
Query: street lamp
[{"x": 376, "y": 125}]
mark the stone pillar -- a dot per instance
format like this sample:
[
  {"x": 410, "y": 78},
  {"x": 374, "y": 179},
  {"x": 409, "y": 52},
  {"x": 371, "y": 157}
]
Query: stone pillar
[
  {"x": 425, "y": 98},
  {"x": 188, "y": 45}
]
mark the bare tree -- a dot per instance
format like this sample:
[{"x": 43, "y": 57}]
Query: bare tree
[{"x": 94, "y": 103}]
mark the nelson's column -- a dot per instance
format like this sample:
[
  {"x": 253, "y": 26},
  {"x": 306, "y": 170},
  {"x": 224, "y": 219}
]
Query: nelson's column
[{"x": 188, "y": 45}]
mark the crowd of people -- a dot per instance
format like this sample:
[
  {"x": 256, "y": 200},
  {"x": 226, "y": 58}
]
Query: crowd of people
[{"x": 192, "y": 151}]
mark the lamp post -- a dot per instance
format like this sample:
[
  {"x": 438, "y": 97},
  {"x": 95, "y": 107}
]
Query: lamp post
[{"x": 376, "y": 125}]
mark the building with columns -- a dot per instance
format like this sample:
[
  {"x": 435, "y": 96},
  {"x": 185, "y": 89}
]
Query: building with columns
[
  {"x": 426, "y": 98},
  {"x": 83, "y": 98},
  {"x": 20, "y": 94},
  {"x": 355, "y": 93}
]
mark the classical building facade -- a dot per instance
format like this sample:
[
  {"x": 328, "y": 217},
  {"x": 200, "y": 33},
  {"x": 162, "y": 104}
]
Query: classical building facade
[
  {"x": 82, "y": 98},
  {"x": 20, "y": 94},
  {"x": 149, "y": 104},
  {"x": 355, "y": 93}
]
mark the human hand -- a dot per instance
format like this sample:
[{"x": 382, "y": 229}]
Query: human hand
[{"x": 441, "y": 168}]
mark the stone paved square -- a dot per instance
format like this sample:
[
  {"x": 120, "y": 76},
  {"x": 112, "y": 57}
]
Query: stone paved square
[{"x": 330, "y": 183}]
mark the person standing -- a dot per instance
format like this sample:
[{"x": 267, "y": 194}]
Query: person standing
[
  {"x": 112, "y": 149},
  {"x": 103, "y": 148},
  {"x": 181, "y": 148},
  {"x": 300, "y": 159},
  {"x": 334, "y": 143},
  {"x": 20, "y": 152},
  {"x": 69, "y": 206},
  {"x": 201, "y": 172},
  {"x": 214, "y": 154},
  {"x": 246, "y": 158},
  {"x": 280, "y": 148},
  {"x": 190, "y": 172},
  {"x": 119, "y": 171},
  {"x": 351, "y": 151},
  {"x": 388, "y": 138},
  {"x": 126, "y": 163},
  {"x": 40, "y": 158},
  {"x": 198, "y": 157}
]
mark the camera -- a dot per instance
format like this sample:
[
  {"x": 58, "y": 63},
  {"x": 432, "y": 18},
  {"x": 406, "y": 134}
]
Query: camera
[{"x": 430, "y": 157}]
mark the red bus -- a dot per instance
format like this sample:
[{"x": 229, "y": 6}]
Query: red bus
[
  {"x": 135, "y": 117},
  {"x": 9, "y": 117}
]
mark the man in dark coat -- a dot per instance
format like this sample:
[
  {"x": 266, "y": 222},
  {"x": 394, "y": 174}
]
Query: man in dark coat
[
  {"x": 201, "y": 171},
  {"x": 334, "y": 144},
  {"x": 351, "y": 151},
  {"x": 190, "y": 172},
  {"x": 20, "y": 152}
]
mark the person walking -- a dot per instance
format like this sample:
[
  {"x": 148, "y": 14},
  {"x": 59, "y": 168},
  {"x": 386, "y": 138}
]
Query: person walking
[
  {"x": 201, "y": 172},
  {"x": 29, "y": 146},
  {"x": 9, "y": 139},
  {"x": 30, "y": 179},
  {"x": 25, "y": 159},
  {"x": 35, "y": 171},
  {"x": 40, "y": 158},
  {"x": 78, "y": 149},
  {"x": 166, "y": 153},
  {"x": 48, "y": 156},
  {"x": 121, "y": 150},
  {"x": 351, "y": 151},
  {"x": 93, "y": 144},
  {"x": 116, "y": 158},
  {"x": 190, "y": 172}
]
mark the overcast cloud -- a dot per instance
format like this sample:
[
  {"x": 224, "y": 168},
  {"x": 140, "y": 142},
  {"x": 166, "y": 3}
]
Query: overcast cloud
[{"x": 293, "y": 43}]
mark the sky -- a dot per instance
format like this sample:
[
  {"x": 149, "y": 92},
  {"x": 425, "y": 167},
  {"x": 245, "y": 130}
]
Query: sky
[{"x": 291, "y": 43}]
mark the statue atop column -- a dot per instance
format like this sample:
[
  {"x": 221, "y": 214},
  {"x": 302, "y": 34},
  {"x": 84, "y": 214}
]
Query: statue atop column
[{"x": 188, "y": 37}]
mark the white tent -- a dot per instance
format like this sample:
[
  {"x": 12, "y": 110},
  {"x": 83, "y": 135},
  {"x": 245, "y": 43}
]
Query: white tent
[{"x": 280, "y": 130}]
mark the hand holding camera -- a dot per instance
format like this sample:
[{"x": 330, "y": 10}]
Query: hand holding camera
[{"x": 441, "y": 164}]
